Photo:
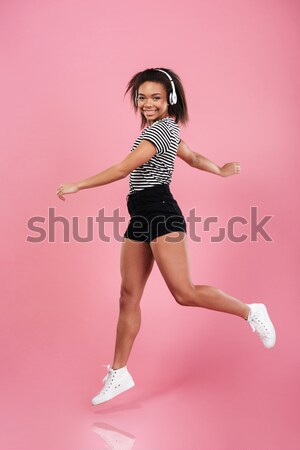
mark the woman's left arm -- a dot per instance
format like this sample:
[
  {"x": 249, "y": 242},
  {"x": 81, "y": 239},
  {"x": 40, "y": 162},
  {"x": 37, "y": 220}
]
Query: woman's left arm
[{"x": 200, "y": 162}]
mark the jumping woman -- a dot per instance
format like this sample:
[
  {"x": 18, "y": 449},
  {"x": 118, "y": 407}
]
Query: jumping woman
[{"x": 157, "y": 228}]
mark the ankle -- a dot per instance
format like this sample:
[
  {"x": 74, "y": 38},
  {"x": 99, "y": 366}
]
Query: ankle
[
  {"x": 118, "y": 366},
  {"x": 247, "y": 312}
]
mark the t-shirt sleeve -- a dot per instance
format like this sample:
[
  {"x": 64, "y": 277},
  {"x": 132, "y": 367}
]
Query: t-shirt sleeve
[{"x": 160, "y": 135}]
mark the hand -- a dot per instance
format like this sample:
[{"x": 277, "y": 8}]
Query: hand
[
  {"x": 63, "y": 189},
  {"x": 232, "y": 168}
]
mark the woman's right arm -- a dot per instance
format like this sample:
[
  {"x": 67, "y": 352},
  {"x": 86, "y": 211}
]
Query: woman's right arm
[{"x": 134, "y": 159}]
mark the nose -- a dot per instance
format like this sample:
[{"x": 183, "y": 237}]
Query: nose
[{"x": 147, "y": 102}]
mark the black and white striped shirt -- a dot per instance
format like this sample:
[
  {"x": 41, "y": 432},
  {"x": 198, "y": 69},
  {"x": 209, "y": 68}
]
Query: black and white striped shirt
[{"x": 164, "y": 134}]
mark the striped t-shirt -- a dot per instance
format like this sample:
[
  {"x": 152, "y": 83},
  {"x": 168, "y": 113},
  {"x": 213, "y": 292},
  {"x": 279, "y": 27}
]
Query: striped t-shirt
[{"x": 164, "y": 134}]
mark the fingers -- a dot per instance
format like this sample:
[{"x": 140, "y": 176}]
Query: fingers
[
  {"x": 237, "y": 167},
  {"x": 59, "y": 192}
]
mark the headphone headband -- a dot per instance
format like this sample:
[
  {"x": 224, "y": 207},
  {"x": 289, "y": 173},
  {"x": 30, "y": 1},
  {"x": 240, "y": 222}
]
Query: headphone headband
[{"x": 168, "y": 75}]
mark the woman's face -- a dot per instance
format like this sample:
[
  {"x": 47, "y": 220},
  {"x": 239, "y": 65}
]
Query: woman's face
[{"x": 152, "y": 101}]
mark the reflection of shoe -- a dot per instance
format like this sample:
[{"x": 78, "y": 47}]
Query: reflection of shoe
[
  {"x": 260, "y": 323},
  {"x": 114, "y": 438},
  {"x": 116, "y": 382}
]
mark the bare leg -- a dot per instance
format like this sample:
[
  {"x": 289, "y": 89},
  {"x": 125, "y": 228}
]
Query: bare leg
[
  {"x": 136, "y": 265},
  {"x": 172, "y": 260}
]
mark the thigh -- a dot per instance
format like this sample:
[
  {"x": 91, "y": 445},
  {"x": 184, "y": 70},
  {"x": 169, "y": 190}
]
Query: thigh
[
  {"x": 170, "y": 254},
  {"x": 135, "y": 265}
]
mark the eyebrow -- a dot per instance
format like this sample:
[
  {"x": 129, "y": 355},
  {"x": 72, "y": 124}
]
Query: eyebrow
[{"x": 157, "y": 93}]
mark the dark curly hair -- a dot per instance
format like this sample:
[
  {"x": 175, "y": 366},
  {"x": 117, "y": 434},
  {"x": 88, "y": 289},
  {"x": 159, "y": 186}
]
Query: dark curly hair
[{"x": 179, "y": 111}]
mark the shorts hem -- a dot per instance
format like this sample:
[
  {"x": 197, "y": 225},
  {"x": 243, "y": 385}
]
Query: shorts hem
[{"x": 147, "y": 239}]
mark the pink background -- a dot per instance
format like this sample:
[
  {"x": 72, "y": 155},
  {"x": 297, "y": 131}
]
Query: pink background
[{"x": 204, "y": 381}]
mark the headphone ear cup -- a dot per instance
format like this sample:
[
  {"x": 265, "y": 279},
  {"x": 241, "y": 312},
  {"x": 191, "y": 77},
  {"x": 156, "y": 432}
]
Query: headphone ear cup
[{"x": 173, "y": 98}]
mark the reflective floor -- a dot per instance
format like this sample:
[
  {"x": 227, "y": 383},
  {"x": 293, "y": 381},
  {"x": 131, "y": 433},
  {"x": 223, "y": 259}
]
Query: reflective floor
[{"x": 178, "y": 407}]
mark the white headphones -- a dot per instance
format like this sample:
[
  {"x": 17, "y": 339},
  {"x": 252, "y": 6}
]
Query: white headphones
[{"x": 172, "y": 96}]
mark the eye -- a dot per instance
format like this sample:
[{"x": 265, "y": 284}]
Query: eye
[{"x": 156, "y": 98}]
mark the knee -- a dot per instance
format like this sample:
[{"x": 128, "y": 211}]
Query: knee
[
  {"x": 184, "y": 296},
  {"x": 129, "y": 298}
]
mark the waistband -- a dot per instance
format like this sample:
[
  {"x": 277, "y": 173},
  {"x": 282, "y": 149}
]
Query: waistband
[{"x": 148, "y": 191}]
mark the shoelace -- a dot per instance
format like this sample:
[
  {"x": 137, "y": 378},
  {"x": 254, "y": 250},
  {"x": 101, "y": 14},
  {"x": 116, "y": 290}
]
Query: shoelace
[
  {"x": 260, "y": 328},
  {"x": 108, "y": 378}
]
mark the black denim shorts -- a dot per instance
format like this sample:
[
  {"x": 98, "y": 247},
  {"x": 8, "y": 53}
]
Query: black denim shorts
[{"x": 154, "y": 212}]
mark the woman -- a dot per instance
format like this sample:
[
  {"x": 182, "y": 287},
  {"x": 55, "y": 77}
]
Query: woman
[{"x": 157, "y": 228}]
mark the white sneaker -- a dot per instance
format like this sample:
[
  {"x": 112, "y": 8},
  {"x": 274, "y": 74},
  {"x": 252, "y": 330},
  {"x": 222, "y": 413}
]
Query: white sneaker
[
  {"x": 260, "y": 323},
  {"x": 116, "y": 382}
]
